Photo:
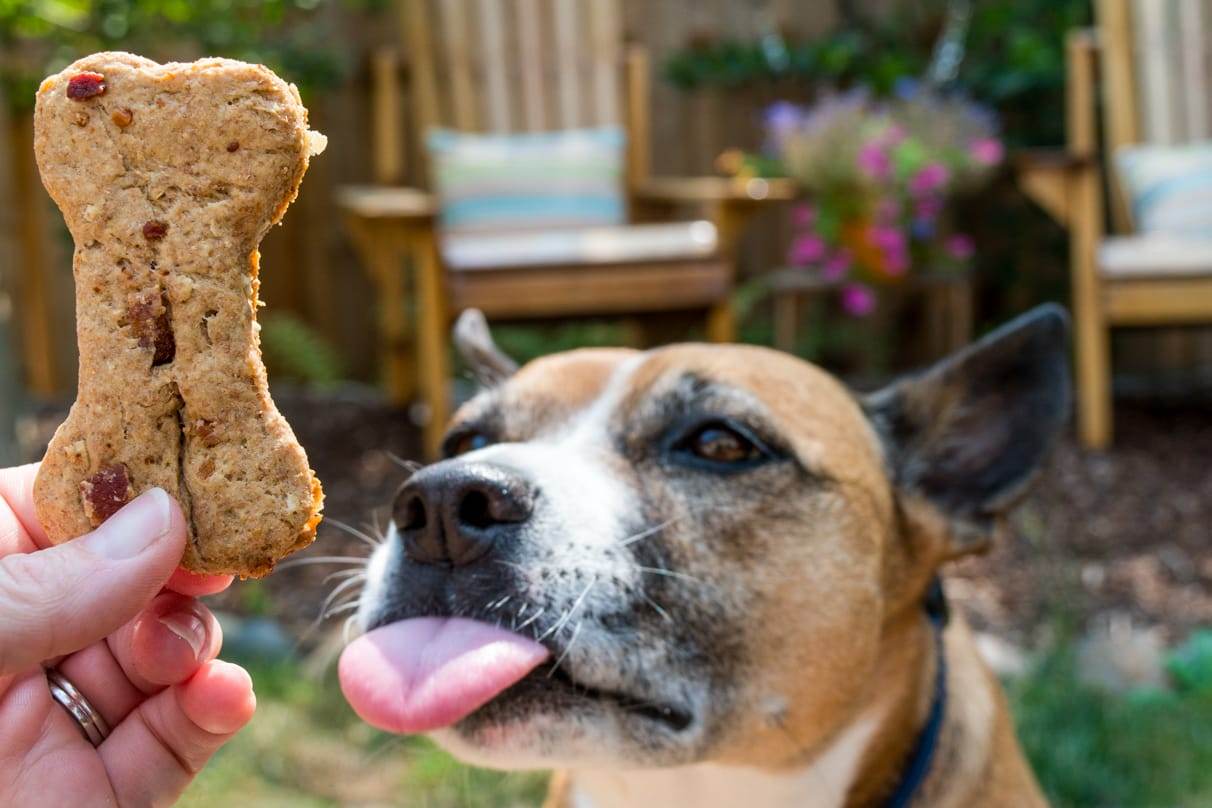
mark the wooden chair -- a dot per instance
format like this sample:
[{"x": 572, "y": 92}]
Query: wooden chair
[
  {"x": 520, "y": 66},
  {"x": 1154, "y": 80}
]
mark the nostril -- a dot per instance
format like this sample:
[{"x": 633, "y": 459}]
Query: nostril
[
  {"x": 475, "y": 510},
  {"x": 415, "y": 517}
]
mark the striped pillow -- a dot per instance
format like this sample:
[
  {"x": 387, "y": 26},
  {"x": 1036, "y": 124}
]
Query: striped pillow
[
  {"x": 529, "y": 181},
  {"x": 1169, "y": 188}
]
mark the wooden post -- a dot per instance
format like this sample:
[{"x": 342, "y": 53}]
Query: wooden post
[
  {"x": 33, "y": 300},
  {"x": 388, "y": 140},
  {"x": 432, "y": 322},
  {"x": 1086, "y": 232}
]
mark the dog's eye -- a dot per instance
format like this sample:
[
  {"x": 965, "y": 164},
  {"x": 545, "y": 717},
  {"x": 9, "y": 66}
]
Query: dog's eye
[
  {"x": 464, "y": 442},
  {"x": 722, "y": 445}
]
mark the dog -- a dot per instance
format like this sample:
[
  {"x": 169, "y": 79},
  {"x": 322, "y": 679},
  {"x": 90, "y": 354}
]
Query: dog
[{"x": 707, "y": 575}]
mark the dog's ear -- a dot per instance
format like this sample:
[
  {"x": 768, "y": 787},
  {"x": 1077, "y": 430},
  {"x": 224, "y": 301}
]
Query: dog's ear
[
  {"x": 474, "y": 342},
  {"x": 968, "y": 434}
]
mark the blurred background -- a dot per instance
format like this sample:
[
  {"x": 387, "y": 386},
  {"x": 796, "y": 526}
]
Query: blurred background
[{"x": 866, "y": 183}]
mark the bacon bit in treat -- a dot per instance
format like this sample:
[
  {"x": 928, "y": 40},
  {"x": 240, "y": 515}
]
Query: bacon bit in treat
[
  {"x": 207, "y": 468},
  {"x": 122, "y": 118},
  {"x": 154, "y": 231},
  {"x": 83, "y": 86},
  {"x": 233, "y": 146},
  {"x": 105, "y": 492},
  {"x": 80, "y": 119},
  {"x": 149, "y": 316},
  {"x": 205, "y": 431}
]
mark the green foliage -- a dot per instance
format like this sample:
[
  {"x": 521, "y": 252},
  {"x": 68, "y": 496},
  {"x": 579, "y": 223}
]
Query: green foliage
[
  {"x": 293, "y": 350},
  {"x": 1190, "y": 665},
  {"x": 1090, "y": 748},
  {"x": 1014, "y": 58},
  {"x": 40, "y": 36}
]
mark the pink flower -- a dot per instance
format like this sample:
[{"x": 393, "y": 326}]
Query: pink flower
[
  {"x": 888, "y": 238},
  {"x": 929, "y": 179},
  {"x": 836, "y": 266},
  {"x": 960, "y": 246},
  {"x": 873, "y": 161},
  {"x": 858, "y": 300},
  {"x": 803, "y": 216},
  {"x": 896, "y": 262},
  {"x": 806, "y": 249},
  {"x": 987, "y": 151}
]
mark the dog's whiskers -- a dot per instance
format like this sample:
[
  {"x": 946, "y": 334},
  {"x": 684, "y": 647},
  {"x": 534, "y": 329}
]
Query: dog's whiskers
[
  {"x": 559, "y": 624},
  {"x": 344, "y": 586},
  {"x": 646, "y": 533},
  {"x": 332, "y": 576},
  {"x": 353, "y": 531},
  {"x": 411, "y": 466},
  {"x": 532, "y": 618},
  {"x": 576, "y": 632},
  {"x": 304, "y": 562},
  {"x": 671, "y": 574},
  {"x": 656, "y": 606}
]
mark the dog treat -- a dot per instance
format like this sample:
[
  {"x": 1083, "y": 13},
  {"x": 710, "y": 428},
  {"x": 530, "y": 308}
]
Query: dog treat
[{"x": 166, "y": 218}]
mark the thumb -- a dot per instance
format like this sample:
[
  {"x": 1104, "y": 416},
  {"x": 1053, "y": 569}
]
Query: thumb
[{"x": 62, "y": 599}]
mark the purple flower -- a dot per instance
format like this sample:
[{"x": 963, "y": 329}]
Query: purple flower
[
  {"x": 960, "y": 246},
  {"x": 987, "y": 151},
  {"x": 874, "y": 162},
  {"x": 858, "y": 300},
  {"x": 782, "y": 118},
  {"x": 803, "y": 216},
  {"x": 927, "y": 207},
  {"x": 836, "y": 266},
  {"x": 929, "y": 179},
  {"x": 806, "y": 249}
]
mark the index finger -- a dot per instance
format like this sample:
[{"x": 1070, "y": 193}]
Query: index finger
[
  {"x": 184, "y": 582},
  {"x": 17, "y": 491}
]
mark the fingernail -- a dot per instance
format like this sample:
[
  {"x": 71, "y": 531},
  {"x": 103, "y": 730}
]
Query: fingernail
[
  {"x": 136, "y": 527},
  {"x": 189, "y": 627}
]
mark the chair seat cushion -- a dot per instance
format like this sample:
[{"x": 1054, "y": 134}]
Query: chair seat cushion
[
  {"x": 1154, "y": 255},
  {"x": 628, "y": 244},
  {"x": 1169, "y": 187},
  {"x": 529, "y": 180}
]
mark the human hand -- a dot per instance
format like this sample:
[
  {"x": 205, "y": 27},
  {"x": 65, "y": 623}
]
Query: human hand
[{"x": 113, "y": 614}]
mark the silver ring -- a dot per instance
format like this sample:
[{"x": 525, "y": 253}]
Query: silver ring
[{"x": 91, "y": 724}]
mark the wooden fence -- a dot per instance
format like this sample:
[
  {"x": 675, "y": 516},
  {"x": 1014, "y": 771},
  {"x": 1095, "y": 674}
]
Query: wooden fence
[{"x": 307, "y": 266}]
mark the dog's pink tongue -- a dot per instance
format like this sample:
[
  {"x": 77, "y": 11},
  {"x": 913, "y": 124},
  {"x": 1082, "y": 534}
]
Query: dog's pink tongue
[{"x": 422, "y": 674}]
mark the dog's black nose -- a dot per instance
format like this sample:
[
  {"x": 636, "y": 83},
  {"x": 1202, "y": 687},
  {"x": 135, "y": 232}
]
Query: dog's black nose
[{"x": 452, "y": 513}]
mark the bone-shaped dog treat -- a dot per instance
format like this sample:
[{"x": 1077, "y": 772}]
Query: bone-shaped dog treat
[{"x": 168, "y": 177}]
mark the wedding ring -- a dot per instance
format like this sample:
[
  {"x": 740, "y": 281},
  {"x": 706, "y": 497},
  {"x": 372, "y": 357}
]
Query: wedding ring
[{"x": 91, "y": 724}]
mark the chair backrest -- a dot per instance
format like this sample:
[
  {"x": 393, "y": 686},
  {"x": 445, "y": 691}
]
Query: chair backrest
[
  {"x": 1156, "y": 76},
  {"x": 512, "y": 66}
]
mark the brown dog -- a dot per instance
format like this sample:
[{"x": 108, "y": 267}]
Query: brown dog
[{"x": 706, "y": 576}]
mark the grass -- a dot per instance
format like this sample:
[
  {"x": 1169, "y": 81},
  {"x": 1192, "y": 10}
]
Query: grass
[
  {"x": 1137, "y": 750},
  {"x": 306, "y": 749},
  {"x": 1147, "y": 749}
]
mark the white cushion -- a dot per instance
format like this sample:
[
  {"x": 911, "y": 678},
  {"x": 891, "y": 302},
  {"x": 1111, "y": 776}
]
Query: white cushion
[
  {"x": 586, "y": 245},
  {"x": 1154, "y": 255},
  {"x": 1169, "y": 188}
]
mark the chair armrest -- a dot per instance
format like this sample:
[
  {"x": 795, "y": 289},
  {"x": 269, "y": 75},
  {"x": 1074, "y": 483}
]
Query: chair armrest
[
  {"x": 712, "y": 190},
  {"x": 379, "y": 202},
  {"x": 1047, "y": 176}
]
